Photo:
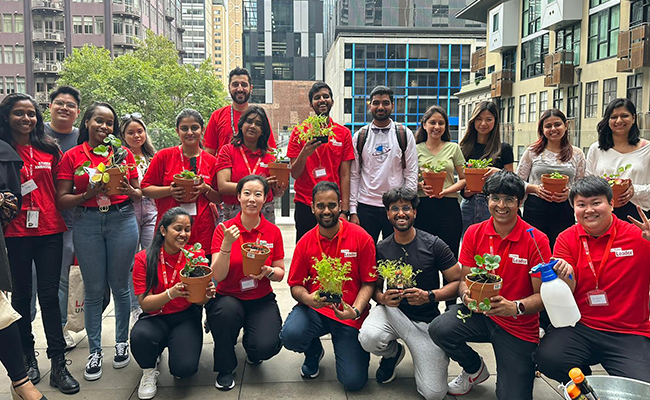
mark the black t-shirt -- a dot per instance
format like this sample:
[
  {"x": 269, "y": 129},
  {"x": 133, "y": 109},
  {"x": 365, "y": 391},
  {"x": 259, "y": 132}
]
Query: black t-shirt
[
  {"x": 505, "y": 157},
  {"x": 427, "y": 253}
]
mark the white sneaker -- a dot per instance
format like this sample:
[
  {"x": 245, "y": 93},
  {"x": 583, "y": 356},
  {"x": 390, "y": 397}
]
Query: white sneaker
[
  {"x": 69, "y": 341},
  {"x": 465, "y": 382},
  {"x": 148, "y": 384}
]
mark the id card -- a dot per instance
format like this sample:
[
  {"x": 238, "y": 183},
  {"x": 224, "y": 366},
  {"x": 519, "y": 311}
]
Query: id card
[
  {"x": 28, "y": 187},
  {"x": 32, "y": 218},
  {"x": 247, "y": 284},
  {"x": 320, "y": 172},
  {"x": 103, "y": 200},
  {"x": 190, "y": 208},
  {"x": 597, "y": 298}
]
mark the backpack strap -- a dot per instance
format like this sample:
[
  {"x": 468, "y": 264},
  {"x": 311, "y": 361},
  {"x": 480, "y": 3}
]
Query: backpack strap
[
  {"x": 362, "y": 136},
  {"x": 400, "y": 130}
]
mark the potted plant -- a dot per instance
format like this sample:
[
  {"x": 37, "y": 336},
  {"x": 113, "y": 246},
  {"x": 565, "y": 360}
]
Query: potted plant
[
  {"x": 187, "y": 179},
  {"x": 254, "y": 256},
  {"x": 196, "y": 274},
  {"x": 113, "y": 170},
  {"x": 397, "y": 274},
  {"x": 315, "y": 127},
  {"x": 281, "y": 167},
  {"x": 474, "y": 171},
  {"x": 330, "y": 275},
  {"x": 618, "y": 184},
  {"x": 482, "y": 283},
  {"x": 554, "y": 182},
  {"x": 434, "y": 176}
]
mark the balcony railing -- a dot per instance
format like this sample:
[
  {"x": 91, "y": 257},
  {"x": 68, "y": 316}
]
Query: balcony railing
[
  {"x": 478, "y": 60},
  {"x": 633, "y": 48},
  {"x": 126, "y": 9},
  {"x": 559, "y": 69},
  {"x": 124, "y": 40},
  {"x": 502, "y": 83},
  {"x": 47, "y": 36},
  {"x": 41, "y": 67},
  {"x": 47, "y": 5}
]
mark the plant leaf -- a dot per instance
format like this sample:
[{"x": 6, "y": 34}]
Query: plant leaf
[{"x": 106, "y": 177}]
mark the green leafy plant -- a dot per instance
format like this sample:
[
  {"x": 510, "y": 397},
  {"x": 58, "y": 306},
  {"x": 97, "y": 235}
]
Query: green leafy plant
[
  {"x": 397, "y": 274},
  {"x": 314, "y": 126},
  {"x": 615, "y": 178},
  {"x": 279, "y": 158},
  {"x": 187, "y": 174},
  {"x": 482, "y": 163},
  {"x": 114, "y": 152},
  {"x": 195, "y": 265},
  {"x": 331, "y": 273},
  {"x": 556, "y": 175},
  {"x": 429, "y": 167},
  {"x": 481, "y": 274}
]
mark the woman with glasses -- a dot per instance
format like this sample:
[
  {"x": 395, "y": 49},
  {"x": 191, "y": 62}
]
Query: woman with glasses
[
  {"x": 158, "y": 182},
  {"x": 247, "y": 154},
  {"x": 552, "y": 152},
  {"x": 104, "y": 231}
]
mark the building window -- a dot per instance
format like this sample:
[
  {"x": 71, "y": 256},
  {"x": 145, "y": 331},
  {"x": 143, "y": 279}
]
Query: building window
[
  {"x": 609, "y": 91},
  {"x": 20, "y": 84},
  {"x": 495, "y": 22},
  {"x": 77, "y": 24},
  {"x": 558, "y": 99},
  {"x": 634, "y": 89},
  {"x": 543, "y": 101},
  {"x": 462, "y": 115},
  {"x": 99, "y": 25},
  {"x": 522, "y": 109},
  {"x": 568, "y": 39},
  {"x": 595, "y": 3},
  {"x": 603, "y": 33},
  {"x": 572, "y": 102},
  {"x": 520, "y": 151},
  {"x": 532, "y": 56},
  {"x": 591, "y": 100},
  {"x": 511, "y": 110},
  {"x": 9, "y": 54},
  {"x": 20, "y": 55},
  {"x": 509, "y": 60},
  {"x": 7, "y": 23},
  {"x": 10, "y": 84},
  {"x": 88, "y": 25},
  {"x": 532, "y": 107},
  {"x": 640, "y": 12},
  {"x": 19, "y": 25},
  {"x": 532, "y": 17}
]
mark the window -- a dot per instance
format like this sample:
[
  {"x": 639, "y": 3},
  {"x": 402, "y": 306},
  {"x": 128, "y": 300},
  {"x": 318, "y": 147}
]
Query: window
[
  {"x": 543, "y": 101},
  {"x": 495, "y": 22},
  {"x": 609, "y": 91},
  {"x": 595, "y": 3},
  {"x": 511, "y": 110},
  {"x": 19, "y": 24},
  {"x": 568, "y": 39},
  {"x": 522, "y": 109},
  {"x": 640, "y": 12},
  {"x": 88, "y": 25},
  {"x": 462, "y": 115},
  {"x": 7, "y": 24},
  {"x": 558, "y": 99},
  {"x": 77, "y": 24},
  {"x": 635, "y": 89},
  {"x": 10, "y": 85},
  {"x": 9, "y": 54},
  {"x": 532, "y": 17},
  {"x": 20, "y": 84},
  {"x": 532, "y": 107},
  {"x": 520, "y": 151},
  {"x": 603, "y": 33},
  {"x": 99, "y": 25},
  {"x": 20, "y": 55},
  {"x": 572, "y": 101},
  {"x": 591, "y": 100},
  {"x": 509, "y": 60},
  {"x": 532, "y": 56}
]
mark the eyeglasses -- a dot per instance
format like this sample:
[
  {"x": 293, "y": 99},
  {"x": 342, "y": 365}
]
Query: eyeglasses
[
  {"x": 134, "y": 115},
  {"x": 322, "y": 207},
  {"x": 61, "y": 103},
  {"x": 405, "y": 208},
  {"x": 509, "y": 200}
]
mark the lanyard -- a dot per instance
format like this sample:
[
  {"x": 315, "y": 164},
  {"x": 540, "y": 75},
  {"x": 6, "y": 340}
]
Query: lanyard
[
  {"x": 200, "y": 157},
  {"x": 248, "y": 165},
  {"x": 86, "y": 147},
  {"x": 164, "y": 264},
  {"x": 30, "y": 173},
  {"x": 338, "y": 245},
  {"x": 601, "y": 266},
  {"x": 507, "y": 254},
  {"x": 232, "y": 120}
]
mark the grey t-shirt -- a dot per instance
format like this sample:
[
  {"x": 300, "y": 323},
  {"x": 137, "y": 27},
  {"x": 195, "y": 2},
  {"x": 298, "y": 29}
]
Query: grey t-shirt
[{"x": 66, "y": 140}]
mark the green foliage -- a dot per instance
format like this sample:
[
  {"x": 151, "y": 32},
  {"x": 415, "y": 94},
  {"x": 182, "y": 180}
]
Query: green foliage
[
  {"x": 482, "y": 163},
  {"x": 429, "y": 167},
  {"x": 614, "y": 178},
  {"x": 192, "y": 261},
  {"x": 556, "y": 175},
  {"x": 463, "y": 316},
  {"x": 186, "y": 174},
  {"x": 277, "y": 153},
  {"x": 314, "y": 126},
  {"x": 485, "y": 264},
  {"x": 112, "y": 148},
  {"x": 397, "y": 273},
  {"x": 331, "y": 274}
]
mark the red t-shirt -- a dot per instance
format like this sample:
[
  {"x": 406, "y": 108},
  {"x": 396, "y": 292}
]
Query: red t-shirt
[
  {"x": 356, "y": 246},
  {"x": 42, "y": 167},
  {"x": 170, "y": 161},
  {"x": 514, "y": 268},
  {"x": 269, "y": 235},
  {"x": 625, "y": 277},
  {"x": 328, "y": 156},
  {"x": 78, "y": 155},
  {"x": 231, "y": 157},
  {"x": 220, "y": 131},
  {"x": 172, "y": 268}
]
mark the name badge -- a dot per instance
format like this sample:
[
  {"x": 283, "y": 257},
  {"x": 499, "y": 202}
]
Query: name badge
[
  {"x": 336, "y": 143},
  {"x": 619, "y": 252},
  {"x": 28, "y": 187},
  {"x": 348, "y": 253},
  {"x": 190, "y": 208},
  {"x": 320, "y": 173},
  {"x": 597, "y": 298},
  {"x": 247, "y": 284},
  {"x": 32, "y": 218}
]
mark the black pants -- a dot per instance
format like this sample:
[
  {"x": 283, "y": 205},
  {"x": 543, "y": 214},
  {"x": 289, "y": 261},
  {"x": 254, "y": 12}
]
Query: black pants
[
  {"x": 374, "y": 220},
  {"x": 47, "y": 253},
  {"x": 620, "y": 354},
  {"x": 441, "y": 217},
  {"x": 515, "y": 368},
  {"x": 304, "y": 218},
  {"x": 11, "y": 354},
  {"x": 628, "y": 209},
  {"x": 549, "y": 217},
  {"x": 181, "y": 333},
  {"x": 261, "y": 322}
]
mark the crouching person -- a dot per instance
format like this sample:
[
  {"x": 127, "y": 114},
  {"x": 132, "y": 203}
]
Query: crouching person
[
  {"x": 512, "y": 323},
  {"x": 168, "y": 319},
  {"x": 406, "y": 314}
]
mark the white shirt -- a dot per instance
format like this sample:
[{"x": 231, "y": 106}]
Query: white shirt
[{"x": 382, "y": 166}]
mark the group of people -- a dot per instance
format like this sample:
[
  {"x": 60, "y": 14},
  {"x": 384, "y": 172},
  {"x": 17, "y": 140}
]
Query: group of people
[{"x": 56, "y": 207}]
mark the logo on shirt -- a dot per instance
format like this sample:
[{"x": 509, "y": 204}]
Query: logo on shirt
[
  {"x": 517, "y": 260},
  {"x": 619, "y": 252},
  {"x": 381, "y": 151},
  {"x": 267, "y": 244},
  {"x": 348, "y": 254},
  {"x": 336, "y": 143}
]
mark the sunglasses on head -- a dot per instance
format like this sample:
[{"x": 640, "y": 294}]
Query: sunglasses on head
[{"x": 134, "y": 115}]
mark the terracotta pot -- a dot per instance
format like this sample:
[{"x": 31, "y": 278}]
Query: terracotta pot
[
  {"x": 554, "y": 185},
  {"x": 481, "y": 291},
  {"x": 188, "y": 184},
  {"x": 253, "y": 260},
  {"x": 115, "y": 183},
  {"x": 474, "y": 178},
  {"x": 281, "y": 171},
  {"x": 618, "y": 189},
  {"x": 329, "y": 297},
  {"x": 435, "y": 179},
  {"x": 196, "y": 286}
]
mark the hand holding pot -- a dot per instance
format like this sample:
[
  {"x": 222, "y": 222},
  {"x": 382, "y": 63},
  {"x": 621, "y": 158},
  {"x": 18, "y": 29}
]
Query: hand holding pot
[
  {"x": 562, "y": 196},
  {"x": 309, "y": 148},
  {"x": 210, "y": 290},
  {"x": 177, "y": 192},
  {"x": 501, "y": 307},
  {"x": 278, "y": 188},
  {"x": 230, "y": 235},
  {"x": 416, "y": 296},
  {"x": 94, "y": 190},
  {"x": 543, "y": 194},
  {"x": 178, "y": 290},
  {"x": 264, "y": 272},
  {"x": 347, "y": 313},
  {"x": 428, "y": 190},
  {"x": 126, "y": 188},
  {"x": 199, "y": 189},
  {"x": 626, "y": 196},
  {"x": 390, "y": 298},
  {"x": 491, "y": 171},
  {"x": 313, "y": 300}
]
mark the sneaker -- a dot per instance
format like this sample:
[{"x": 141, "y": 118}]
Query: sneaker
[
  {"x": 94, "y": 366},
  {"x": 148, "y": 384},
  {"x": 387, "y": 366},
  {"x": 225, "y": 381},
  {"x": 122, "y": 356},
  {"x": 464, "y": 382},
  {"x": 252, "y": 362},
  {"x": 70, "y": 343},
  {"x": 310, "y": 368}
]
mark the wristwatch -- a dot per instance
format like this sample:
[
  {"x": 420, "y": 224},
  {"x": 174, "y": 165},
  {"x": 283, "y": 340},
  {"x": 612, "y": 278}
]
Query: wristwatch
[
  {"x": 432, "y": 296},
  {"x": 356, "y": 310},
  {"x": 346, "y": 213},
  {"x": 271, "y": 273},
  {"x": 521, "y": 308}
]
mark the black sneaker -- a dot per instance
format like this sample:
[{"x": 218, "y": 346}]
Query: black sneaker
[
  {"x": 122, "y": 357},
  {"x": 310, "y": 368},
  {"x": 33, "y": 373},
  {"x": 94, "y": 366},
  {"x": 386, "y": 371},
  {"x": 61, "y": 378},
  {"x": 225, "y": 381}
]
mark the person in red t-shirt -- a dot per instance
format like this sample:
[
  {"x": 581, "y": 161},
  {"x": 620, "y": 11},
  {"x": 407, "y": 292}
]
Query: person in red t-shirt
[
  {"x": 512, "y": 323},
  {"x": 158, "y": 182},
  {"x": 36, "y": 235},
  {"x": 247, "y": 154},
  {"x": 610, "y": 263},
  {"x": 105, "y": 232},
  {"x": 242, "y": 301},
  {"x": 223, "y": 122},
  {"x": 168, "y": 319},
  {"x": 313, "y": 316},
  {"x": 314, "y": 161}
]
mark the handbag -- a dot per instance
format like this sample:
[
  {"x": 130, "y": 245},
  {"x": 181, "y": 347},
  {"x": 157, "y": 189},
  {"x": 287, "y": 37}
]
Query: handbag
[
  {"x": 7, "y": 313},
  {"x": 75, "y": 321}
]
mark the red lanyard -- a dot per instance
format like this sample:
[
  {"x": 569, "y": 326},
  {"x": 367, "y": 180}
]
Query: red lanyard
[
  {"x": 507, "y": 254},
  {"x": 232, "y": 120},
  {"x": 601, "y": 266},
  {"x": 85, "y": 146},
  {"x": 164, "y": 264},
  {"x": 338, "y": 245},
  {"x": 248, "y": 165},
  {"x": 30, "y": 172},
  {"x": 198, "y": 167}
]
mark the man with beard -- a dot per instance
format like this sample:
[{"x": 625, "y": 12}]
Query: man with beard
[
  {"x": 312, "y": 163},
  {"x": 385, "y": 158},
  {"x": 223, "y": 122},
  {"x": 313, "y": 316},
  {"x": 406, "y": 314}
]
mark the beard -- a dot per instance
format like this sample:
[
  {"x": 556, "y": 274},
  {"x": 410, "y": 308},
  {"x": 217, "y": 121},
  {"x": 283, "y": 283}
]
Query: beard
[
  {"x": 381, "y": 117},
  {"x": 246, "y": 97},
  {"x": 409, "y": 225},
  {"x": 328, "y": 224}
]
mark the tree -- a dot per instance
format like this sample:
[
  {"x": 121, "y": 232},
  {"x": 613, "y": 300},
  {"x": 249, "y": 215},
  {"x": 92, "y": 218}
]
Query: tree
[{"x": 149, "y": 81}]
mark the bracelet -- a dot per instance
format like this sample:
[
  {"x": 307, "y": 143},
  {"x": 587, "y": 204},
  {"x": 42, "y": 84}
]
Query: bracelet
[
  {"x": 169, "y": 295},
  {"x": 83, "y": 196}
]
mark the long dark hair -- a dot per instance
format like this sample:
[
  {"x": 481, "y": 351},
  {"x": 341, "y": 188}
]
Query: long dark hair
[
  {"x": 493, "y": 145},
  {"x": 263, "y": 140},
  {"x": 566, "y": 150},
  {"x": 90, "y": 112},
  {"x": 605, "y": 140},
  {"x": 147, "y": 148},
  {"x": 421, "y": 135},
  {"x": 153, "y": 251},
  {"x": 37, "y": 137}
]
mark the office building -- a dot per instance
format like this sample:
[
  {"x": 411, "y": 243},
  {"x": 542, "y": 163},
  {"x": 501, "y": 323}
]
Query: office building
[
  {"x": 199, "y": 31},
  {"x": 219, "y": 24}
]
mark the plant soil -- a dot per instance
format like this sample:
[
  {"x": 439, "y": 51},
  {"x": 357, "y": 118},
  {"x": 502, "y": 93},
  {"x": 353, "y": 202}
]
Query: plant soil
[
  {"x": 489, "y": 278},
  {"x": 323, "y": 139},
  {"x": 198, "y": 272},
  {"x": 329, "y": 297}
]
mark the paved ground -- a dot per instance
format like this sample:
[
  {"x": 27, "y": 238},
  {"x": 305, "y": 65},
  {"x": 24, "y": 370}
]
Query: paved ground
[{"x": 278, "y": 378}]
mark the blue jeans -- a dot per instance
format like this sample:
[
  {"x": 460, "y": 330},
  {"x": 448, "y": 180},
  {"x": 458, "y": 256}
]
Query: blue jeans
[
  {"x": 474, "y": 210},
  {"x": 68, "y": 259},
  {"x": 105, "y": 244},
  {"x": 302, "y": 331}
]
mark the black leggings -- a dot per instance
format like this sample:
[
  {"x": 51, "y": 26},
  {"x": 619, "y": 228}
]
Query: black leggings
[
  {"x": 374, "y": 220},
  {"x": 441, "y": 217},
  {"x": 549, "y": 217},
  {"x": 628, "y": 209},
  {"x": 11, "y": 354},
  {"x": 304, "y": 218}
]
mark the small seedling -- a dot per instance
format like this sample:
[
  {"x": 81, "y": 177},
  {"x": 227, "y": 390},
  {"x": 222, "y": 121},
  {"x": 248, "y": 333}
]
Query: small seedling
[
  {"x": 397, "y": 274},
  {"x": 194, "y": 264},
  {"x": 429, "y": 167},
  {"x": 187, "y": 174},
  {"x": 482, "y": 274},
  {"x": 313, "y": 127},
  {"x": 615, "y": 178},
  {"x": 331, "y": 274},
  {"x": 556, "y": 175},
  {"x": 476, "y": 164},
  {"x": 116, "y": 154},
  {"x": 279, "y": 158}
]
